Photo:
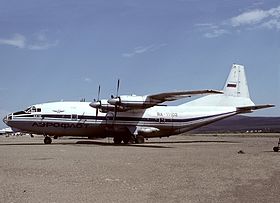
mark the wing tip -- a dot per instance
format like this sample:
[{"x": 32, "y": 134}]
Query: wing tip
[{"x": 248, "y": 109}]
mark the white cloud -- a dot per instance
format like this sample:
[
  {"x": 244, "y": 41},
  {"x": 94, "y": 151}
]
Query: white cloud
[
  {"x": 143, "y": 49},
  {"x": 258, "y": 17},
  {"x": 140, "y": 49},
  {"x": 275, "y": 12},
  {"x": 88, "y": 80},
  {"x": 211, "y": 31},
  {"x": 206, "y": 25},
  {"x": 251, "y": 17},
  {"x": 17, "y": 40},
  {"x": 215, "y": 33},
  {"x": 272, "y": 24},
  {"x": 128, "y": 55},
  {"x": 38, "y": 41}
]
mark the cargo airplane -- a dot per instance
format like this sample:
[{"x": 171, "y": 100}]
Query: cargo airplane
[{"x": 131, "y": 118}]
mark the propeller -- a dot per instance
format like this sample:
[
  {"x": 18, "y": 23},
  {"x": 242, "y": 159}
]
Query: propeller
[
  {"x": 96, "y": 103},
  {"x": 116, "y": 100},
  {"x": 98, "y": 99}
]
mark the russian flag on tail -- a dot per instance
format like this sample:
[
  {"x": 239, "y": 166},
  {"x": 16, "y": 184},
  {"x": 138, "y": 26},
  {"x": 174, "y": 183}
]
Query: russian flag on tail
[{"x": 231, "y": 85}]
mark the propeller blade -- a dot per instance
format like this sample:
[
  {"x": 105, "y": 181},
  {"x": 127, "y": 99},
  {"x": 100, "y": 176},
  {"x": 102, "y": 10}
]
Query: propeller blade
[
  {"x": 118, "y": 87},
  {"x": 98, "y": 95},
  {"x": 98, "y": 100}
]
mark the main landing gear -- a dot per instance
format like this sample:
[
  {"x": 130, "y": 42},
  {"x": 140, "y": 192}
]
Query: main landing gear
[
  {"x": 47, "y": 140},
  {"x": 139, "y": 139},
  {"x": 276, "y": 149},
  {"x": 126, "y": 139}
]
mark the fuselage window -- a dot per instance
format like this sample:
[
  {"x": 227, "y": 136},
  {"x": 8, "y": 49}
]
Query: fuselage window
[{"x": 161, "y": 120}]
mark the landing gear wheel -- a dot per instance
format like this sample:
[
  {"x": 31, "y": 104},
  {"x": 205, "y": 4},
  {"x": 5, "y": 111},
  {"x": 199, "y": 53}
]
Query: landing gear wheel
[
  {"x": 139, "y": 140},
  {"x": 276, "y": 149},
  {"x": 117, "y": 140},
  {"x": 48, "y": 140},
  {"x": 126, "y": 139}
]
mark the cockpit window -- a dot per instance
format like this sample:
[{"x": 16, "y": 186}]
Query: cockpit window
[
  {"x": 28, "y": 110},
  {"x": 20, "y": 112},
  {"x": 32, "y": 109}
]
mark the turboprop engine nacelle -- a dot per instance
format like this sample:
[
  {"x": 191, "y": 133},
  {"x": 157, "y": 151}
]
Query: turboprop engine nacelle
[
  {"x": 95, "y": 104},
  {"x": 105, "y": 107},
  {"x": 130, "y": 101}
]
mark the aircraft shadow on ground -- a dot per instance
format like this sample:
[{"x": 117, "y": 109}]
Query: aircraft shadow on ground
[
  {"x": 191, "y": 141},
  {"x": 84, "y": 143},
  {"x": 146, "y": 144},
  {"x": 124, "y": 145}
]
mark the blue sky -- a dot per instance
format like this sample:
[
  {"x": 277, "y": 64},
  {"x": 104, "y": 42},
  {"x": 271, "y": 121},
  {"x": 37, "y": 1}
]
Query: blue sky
[{"x": 52, "y": 50}]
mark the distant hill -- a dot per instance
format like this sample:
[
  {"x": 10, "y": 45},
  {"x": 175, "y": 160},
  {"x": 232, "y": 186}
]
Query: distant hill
[{"x": 242, "y": 124}]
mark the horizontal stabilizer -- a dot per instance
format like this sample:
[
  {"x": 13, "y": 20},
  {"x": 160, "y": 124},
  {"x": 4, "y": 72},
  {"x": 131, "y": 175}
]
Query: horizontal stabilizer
[{"x": 247, "y": 109}]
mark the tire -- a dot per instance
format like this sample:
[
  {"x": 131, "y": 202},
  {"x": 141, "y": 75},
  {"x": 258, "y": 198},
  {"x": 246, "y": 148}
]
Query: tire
[
  {"x": 140, "y": 140},
  {"x": 117, "y": 140},
  {"x": 276, "y": 149},
  {"x": 126, "y": 140},
  {"x": 48, "y": 140}
]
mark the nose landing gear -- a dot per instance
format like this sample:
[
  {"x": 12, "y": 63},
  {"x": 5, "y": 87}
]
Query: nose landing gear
[{"x": 276, "y": 149}]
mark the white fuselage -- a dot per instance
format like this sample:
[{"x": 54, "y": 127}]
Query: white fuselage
[{"x": 79, "y": 119}]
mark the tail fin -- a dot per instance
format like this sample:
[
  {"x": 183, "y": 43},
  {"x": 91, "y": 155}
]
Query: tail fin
[
  {"x": 236, "y": 92},
  {"x": 236, "y": 84}
]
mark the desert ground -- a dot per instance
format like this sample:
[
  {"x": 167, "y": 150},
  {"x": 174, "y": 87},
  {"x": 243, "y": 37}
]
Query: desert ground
[{"x": 185, "y": 168}]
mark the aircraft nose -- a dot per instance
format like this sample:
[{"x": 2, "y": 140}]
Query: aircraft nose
[{"x": 7, "y": 118}]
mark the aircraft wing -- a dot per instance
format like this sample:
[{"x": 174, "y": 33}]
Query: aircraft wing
[
  {"x": 171, "y": 96},
  {"x": 130, "y": 102},
  {"x": 247, "y": 109}
]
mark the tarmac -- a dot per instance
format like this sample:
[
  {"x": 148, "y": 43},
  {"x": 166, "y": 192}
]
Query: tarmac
[{"x": 175, "y": 169}]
